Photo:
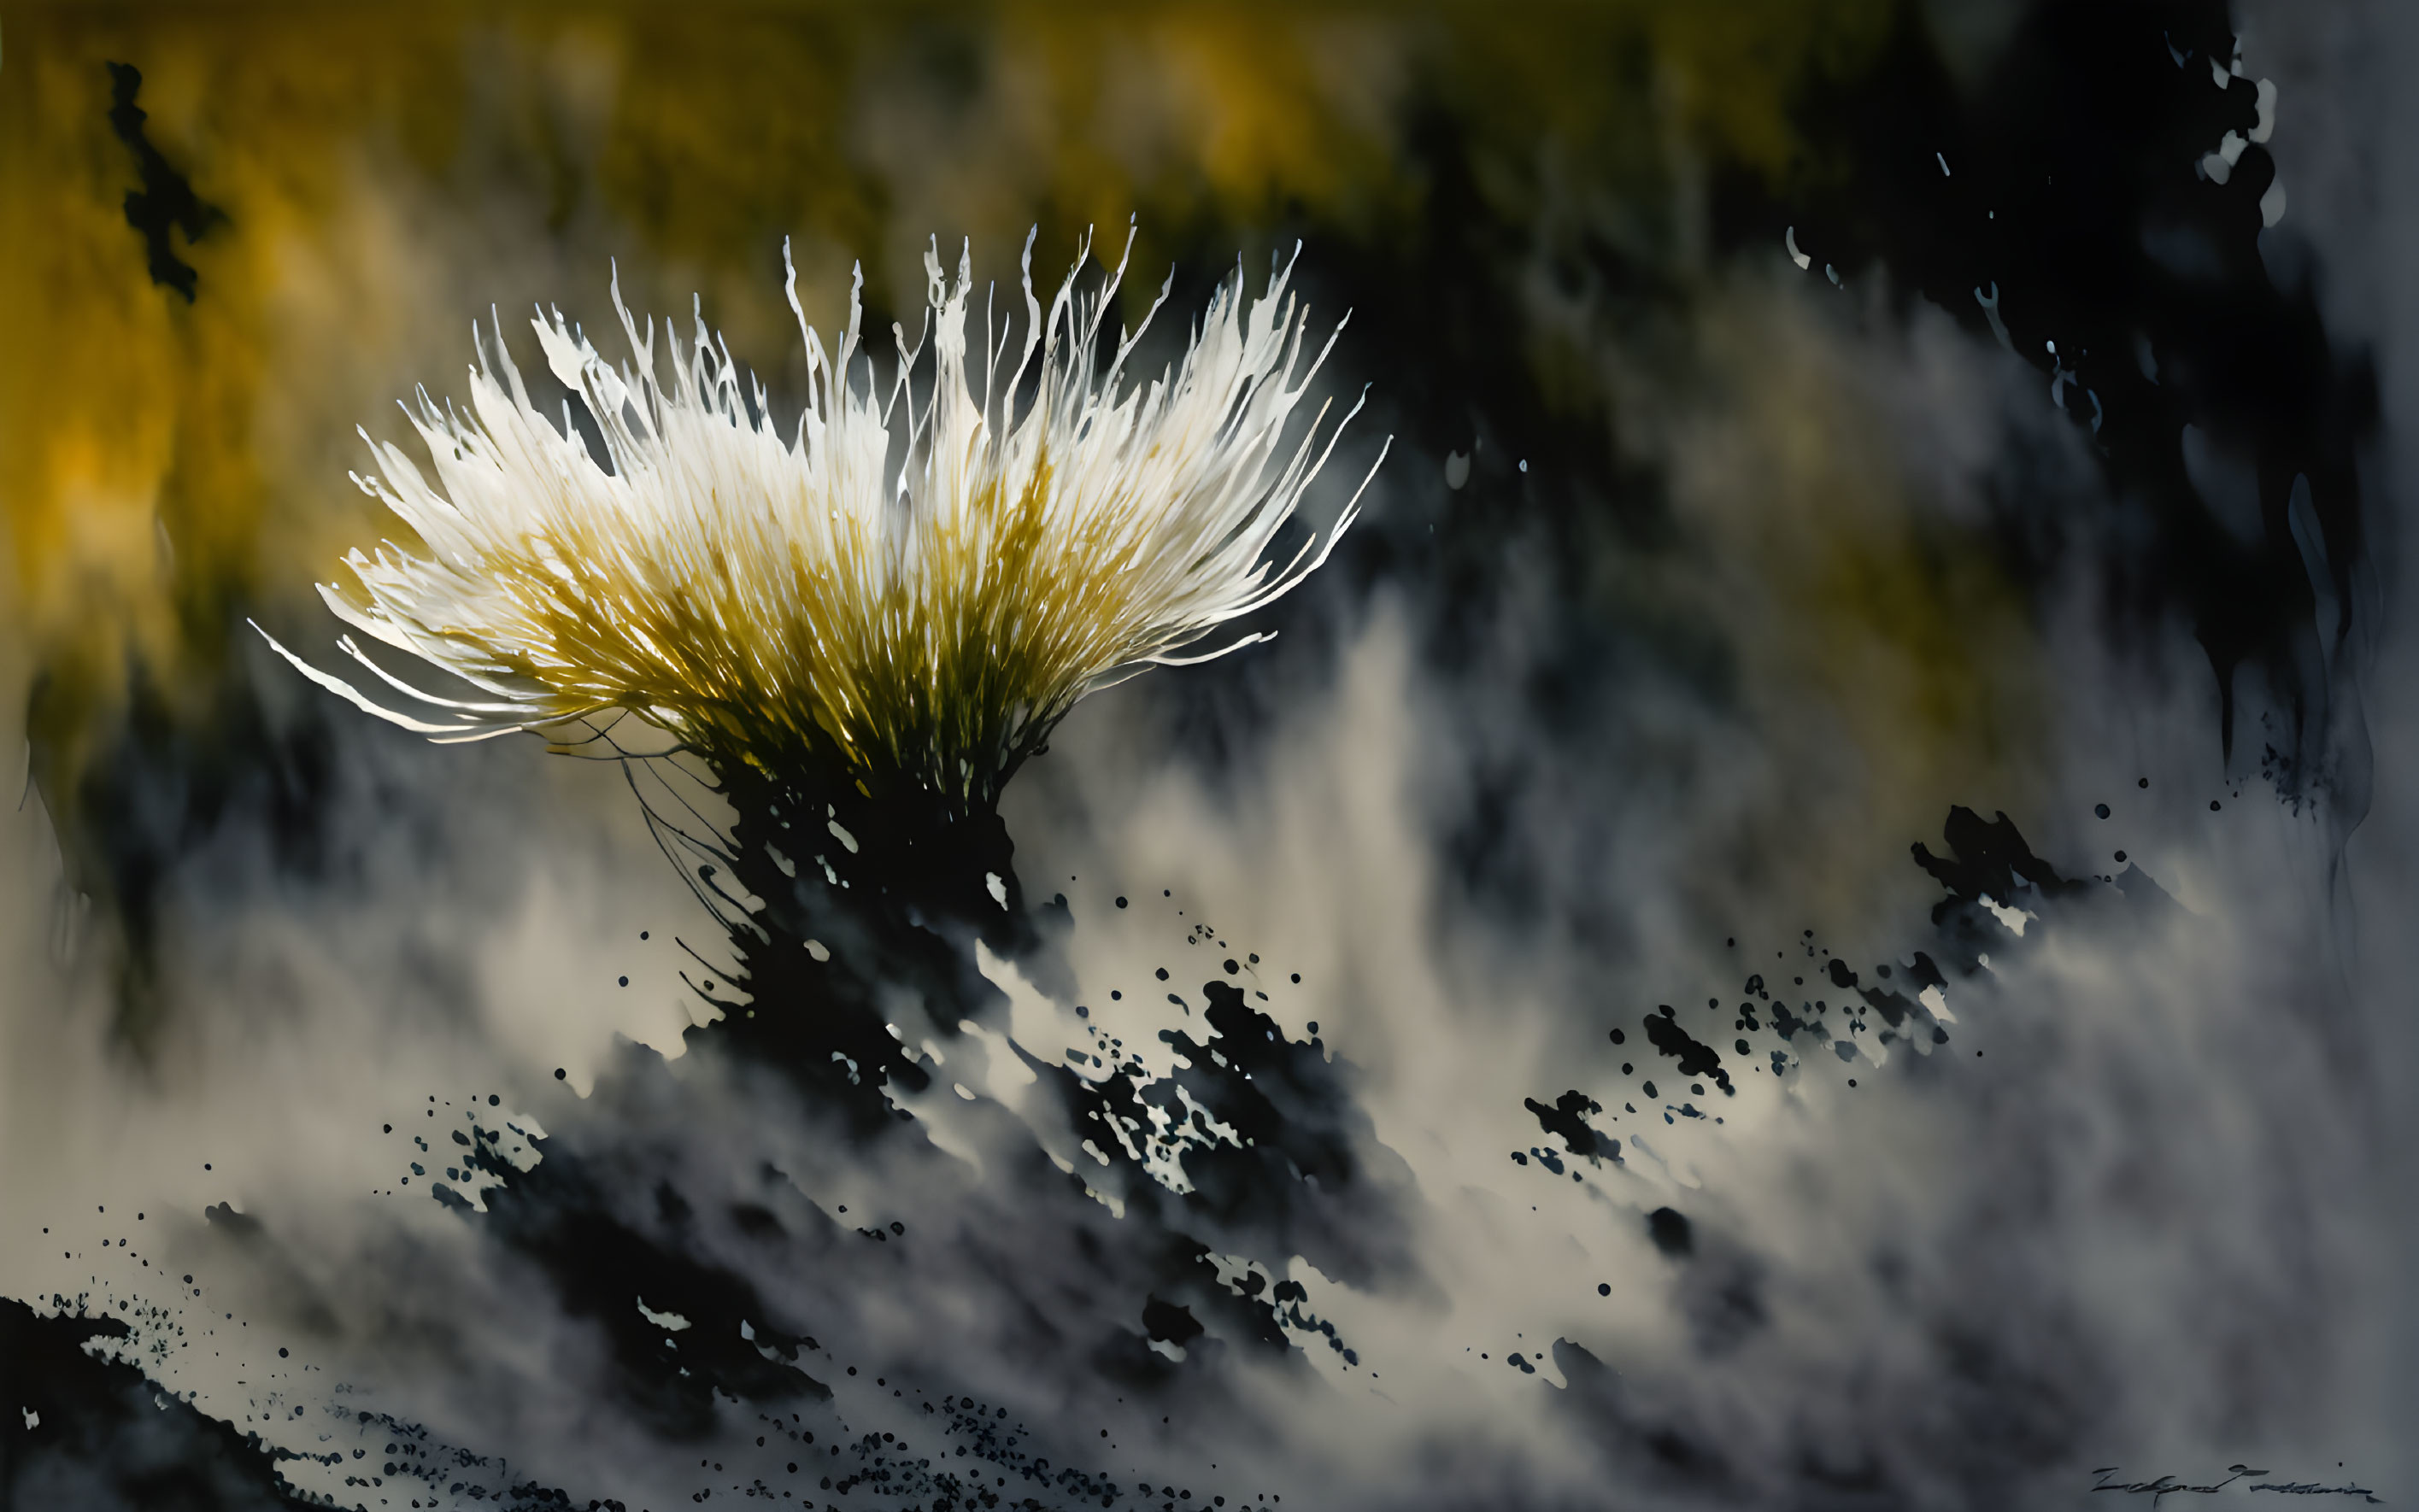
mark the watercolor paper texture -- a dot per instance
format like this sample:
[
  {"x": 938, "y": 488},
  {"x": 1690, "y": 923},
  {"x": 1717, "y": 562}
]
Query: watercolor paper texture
[{"x": 1790, "y": 890}]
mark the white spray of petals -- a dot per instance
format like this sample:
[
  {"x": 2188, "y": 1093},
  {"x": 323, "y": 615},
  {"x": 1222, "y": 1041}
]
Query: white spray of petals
[{"x": 921, "y": 584}]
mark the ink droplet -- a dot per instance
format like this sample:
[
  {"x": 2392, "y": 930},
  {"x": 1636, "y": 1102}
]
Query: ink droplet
[
  {"x": 2121, "y": 855},
  {"x": 1670, "y": 1231},
  {"x": 2212, "y": 805},
  {"x": 559, "y": 1073},
  {"x": 2143, "y": 783},
  {"x": 1604, "y": 1289},
  {"x": 1121, "y": 902},
  {"x": 2100, "y": 809}
]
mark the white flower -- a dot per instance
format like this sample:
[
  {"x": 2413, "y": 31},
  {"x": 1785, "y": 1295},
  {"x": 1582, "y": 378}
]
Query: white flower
[{"x": 919, "y": 586}]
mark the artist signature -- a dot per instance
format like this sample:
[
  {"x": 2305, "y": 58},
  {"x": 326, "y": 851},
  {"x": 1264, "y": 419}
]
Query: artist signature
[{"x": 2167, "y": 1486}]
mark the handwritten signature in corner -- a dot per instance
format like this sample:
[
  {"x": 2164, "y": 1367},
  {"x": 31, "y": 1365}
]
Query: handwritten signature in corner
[{"x": 2167, "y": 1485}]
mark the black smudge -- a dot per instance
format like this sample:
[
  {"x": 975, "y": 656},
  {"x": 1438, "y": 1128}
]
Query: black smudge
[
  {"x": 1670, "y": 1230},
  {"x": 605, "y": 1252},
  {"x": 1169, "y": 1322},
  {"x": 134, "y": 790},
  {"x": 166, "y": 200},
  {"x": 2091, "y": 240}
]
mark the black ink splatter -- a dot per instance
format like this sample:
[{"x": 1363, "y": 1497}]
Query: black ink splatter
[
  {"x": 80, "y": 1430},
  {"x": 1696, "y": 1058},
  {"x": 1568, "y": 1118},
  {"x": 1988, "y": 858}
]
